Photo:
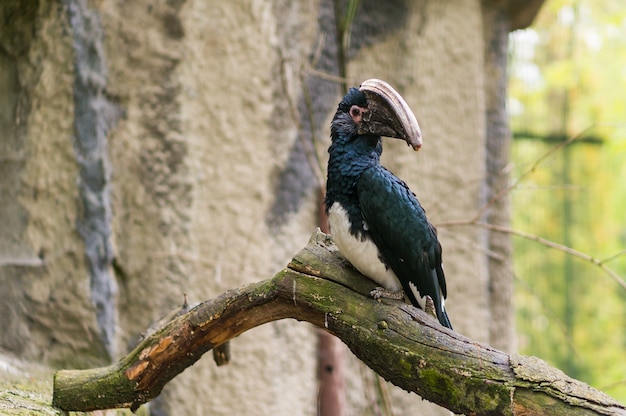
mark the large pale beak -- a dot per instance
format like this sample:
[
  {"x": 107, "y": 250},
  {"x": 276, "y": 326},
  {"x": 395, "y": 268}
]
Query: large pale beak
[{"x": 388, "y": 114}]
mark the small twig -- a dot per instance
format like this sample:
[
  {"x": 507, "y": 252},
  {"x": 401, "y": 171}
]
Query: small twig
[
  {"x": 341, "y": 51},
  {"x": 383, "y": 393},
  {"x": 503, "y": 192},
  {"x": 318, "y": 50},
  {"x": 543, "y": 241},
  {"x": 309, "y": 70},
  {"x": 613, "y": 257},
  {"x": 613, "y": 385},
  {"x": 561, "y": 187},
  {"x": 23, "y": 262},
  {"x": 309, "y": 146}
]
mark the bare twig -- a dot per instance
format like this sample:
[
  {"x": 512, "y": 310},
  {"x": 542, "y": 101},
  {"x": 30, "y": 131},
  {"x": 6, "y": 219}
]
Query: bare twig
[
  {"x": 613, "y": 385},
  {"x": 503, "y": 192},
  {"x": 548, "y": 243},
  {"x": 383, "y": 393},
  {"x": 313, "y": 158},
  {"x": 309, "y": 145},
  {"x": 533, "y": 167},
  {"x": 309, "y": 70},
  {"x": 613, "y": 257}
]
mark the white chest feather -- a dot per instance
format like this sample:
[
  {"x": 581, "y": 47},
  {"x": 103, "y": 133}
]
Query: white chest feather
[{"x": 364, "y": 254}]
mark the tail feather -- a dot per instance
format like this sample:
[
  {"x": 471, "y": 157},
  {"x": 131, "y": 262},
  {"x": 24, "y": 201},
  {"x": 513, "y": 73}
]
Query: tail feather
[{"x": 442, "y": 315}]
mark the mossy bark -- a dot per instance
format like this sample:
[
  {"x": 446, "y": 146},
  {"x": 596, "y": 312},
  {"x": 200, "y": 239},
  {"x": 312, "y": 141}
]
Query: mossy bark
[{"x": 403, "y": 344}]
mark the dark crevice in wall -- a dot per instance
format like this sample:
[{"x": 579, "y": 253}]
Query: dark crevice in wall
[{"x": 94, "y": 115}]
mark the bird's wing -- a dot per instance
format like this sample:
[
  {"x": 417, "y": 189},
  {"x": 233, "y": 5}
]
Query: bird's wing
[{"x": 397, "y": 224}]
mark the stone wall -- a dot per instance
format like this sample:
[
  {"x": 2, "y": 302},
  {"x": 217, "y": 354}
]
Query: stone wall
[{"x": 152, "y": 149}]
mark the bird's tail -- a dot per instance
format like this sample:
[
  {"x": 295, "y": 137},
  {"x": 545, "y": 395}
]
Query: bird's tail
[
  {"x": 443, "y": 317},
  {"x": 440, "y": 284}
]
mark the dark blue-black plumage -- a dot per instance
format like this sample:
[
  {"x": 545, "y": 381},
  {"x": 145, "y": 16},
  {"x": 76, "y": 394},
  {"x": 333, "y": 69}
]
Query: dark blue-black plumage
[{"x": 376, "y": 221}]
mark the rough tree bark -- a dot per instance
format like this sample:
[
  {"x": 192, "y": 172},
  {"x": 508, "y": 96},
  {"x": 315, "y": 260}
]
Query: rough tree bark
[{"x": 403, "y": 344}]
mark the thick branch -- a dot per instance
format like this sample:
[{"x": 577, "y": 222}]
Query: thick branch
[{"x": 401, "y": 343}]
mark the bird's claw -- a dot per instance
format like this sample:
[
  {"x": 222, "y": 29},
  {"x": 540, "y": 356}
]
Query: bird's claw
[{"x": 381, "y": 292}]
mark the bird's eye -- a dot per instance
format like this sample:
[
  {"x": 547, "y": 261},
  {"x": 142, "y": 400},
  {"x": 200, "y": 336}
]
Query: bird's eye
[{"x": 355, "y": 111}]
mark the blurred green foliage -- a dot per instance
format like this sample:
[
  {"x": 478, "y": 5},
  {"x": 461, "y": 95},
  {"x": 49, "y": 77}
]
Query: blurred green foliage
[{"x": 568, "y": 78}]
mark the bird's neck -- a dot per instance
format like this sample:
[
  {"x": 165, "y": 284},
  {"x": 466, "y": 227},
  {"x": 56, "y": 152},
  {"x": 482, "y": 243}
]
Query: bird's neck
[
  {"x": 354, "y": 155},
  {"x": 347, "y": 161}
]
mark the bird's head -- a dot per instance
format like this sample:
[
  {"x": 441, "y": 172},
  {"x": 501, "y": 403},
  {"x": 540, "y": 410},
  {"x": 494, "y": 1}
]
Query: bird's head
[{"x": 376, "y": 109}]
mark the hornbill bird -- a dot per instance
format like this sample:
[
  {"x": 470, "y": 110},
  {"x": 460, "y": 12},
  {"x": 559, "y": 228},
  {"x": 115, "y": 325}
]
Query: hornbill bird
[{"x": 375, "y": 220}]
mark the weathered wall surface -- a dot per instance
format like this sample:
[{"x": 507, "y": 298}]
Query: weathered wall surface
[
  {"x": 195, "y": 159},
  {"x": 46, "y": 307},
  {"x": 193, "y": 177}
]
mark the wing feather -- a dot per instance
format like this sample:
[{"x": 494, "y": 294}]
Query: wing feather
[{"x": 408, "y": 243}]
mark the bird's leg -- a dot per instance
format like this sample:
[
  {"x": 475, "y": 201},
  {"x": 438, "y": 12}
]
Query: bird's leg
[{"x": 381, "y": 292}]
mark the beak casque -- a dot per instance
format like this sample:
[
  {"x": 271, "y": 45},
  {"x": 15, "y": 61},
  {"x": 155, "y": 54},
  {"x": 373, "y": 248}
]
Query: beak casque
[{"x": 388, "y": 114}]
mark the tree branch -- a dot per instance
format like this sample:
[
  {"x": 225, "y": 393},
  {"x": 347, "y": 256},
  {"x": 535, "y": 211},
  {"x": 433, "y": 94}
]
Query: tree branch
[
  {"x": 601, "y": 263},
  {"x": 402, "y": 344}
]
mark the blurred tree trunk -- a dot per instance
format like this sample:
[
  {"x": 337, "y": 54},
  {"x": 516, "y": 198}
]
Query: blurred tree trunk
[{"x": 497, "y": 144}]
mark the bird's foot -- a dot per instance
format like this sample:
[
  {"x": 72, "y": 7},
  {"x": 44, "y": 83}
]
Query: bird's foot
[
  {"x": 381, "y": 292},
  {"x": 429, "y": 307}
]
